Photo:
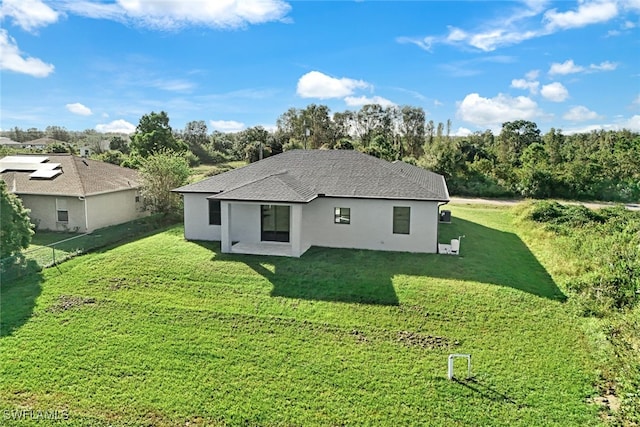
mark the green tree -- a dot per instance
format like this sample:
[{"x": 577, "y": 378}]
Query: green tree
[
  {"x": 118, "y": 143},
  {"x": 535, "y": 178},
  {"x": 412, "y": 129},
  {"x": 514, "y": 138},
  {"x": 161, "y": 172},
  {"x": 15, "y": 227},
  {"x": 153, "y": 135}
]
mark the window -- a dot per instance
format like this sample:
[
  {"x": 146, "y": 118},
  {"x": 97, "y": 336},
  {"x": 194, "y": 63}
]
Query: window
[
  {"x": 342, "y": 216},
  {"x": 401, "y": 219},
  {"x": 215, "y": 216},
  {"x": 62, "y": 214}
]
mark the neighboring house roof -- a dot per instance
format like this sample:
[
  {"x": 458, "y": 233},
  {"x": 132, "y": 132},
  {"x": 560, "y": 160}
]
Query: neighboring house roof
[
  {"x": 302, "y": 175},
  {"x": 41, "y": 141},
  {"x": 9, "y": 142},
  {"x": 79, "y": 177}
]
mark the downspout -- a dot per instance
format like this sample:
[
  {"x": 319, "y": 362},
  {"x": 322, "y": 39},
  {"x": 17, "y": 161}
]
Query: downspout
[
  {"x": 86, "y": 216},
  {"x": 438, "y": 227}
]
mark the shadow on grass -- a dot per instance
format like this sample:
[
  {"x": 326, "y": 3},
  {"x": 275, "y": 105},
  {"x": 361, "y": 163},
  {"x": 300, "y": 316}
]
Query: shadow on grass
[
  {"x": 361, "y": 276},
  {"x": 57, "y": 247},
  {"x": 20, "y": 285},
  {"x": 485, "y": 391},
  {"x": 492, "y": 256}
]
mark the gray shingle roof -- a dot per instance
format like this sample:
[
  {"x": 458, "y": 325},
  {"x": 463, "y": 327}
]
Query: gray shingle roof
[
  {"x": 79, "y": 177},
  {"x": 301, "y": 175}
]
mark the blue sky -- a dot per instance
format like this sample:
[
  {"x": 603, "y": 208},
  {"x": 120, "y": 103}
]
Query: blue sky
[{"x": 571, "y": 65}]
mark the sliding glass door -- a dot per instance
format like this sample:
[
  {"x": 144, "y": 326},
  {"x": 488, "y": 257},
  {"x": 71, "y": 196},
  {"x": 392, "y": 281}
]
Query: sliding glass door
[{"x": 275, "y": 223}]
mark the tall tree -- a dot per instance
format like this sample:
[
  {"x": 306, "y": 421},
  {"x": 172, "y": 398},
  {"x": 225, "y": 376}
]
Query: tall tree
[
  {"x": 412, "y": 129},
  {"x": 154, "y": 134},
  {"x": 58, "y": 133},
  {"x": 197, "y": 139},
  {"x": 514, "y": 138},
  {"x": 15, "y": 227},
  {"x": 161, "y": 172}
]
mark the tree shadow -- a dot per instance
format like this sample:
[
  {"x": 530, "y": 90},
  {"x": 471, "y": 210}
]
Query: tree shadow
[
  {"x": 487, "y": 255},
  {"x": 20, "y": 286}
]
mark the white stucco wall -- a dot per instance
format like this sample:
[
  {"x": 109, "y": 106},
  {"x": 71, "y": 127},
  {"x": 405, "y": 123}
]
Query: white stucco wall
[
  {"x": 196, "y": 218},
  {"x": 371, "y": 225},
  {"x": 245, "y": 223},
  {"x": 44, "y": 213},
  {"x": 102, "y": 210},
  {"x": 113, "y": 208}
]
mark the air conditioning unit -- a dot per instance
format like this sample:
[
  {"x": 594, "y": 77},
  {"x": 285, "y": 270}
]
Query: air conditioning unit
[{"x": 445, "y": 216}]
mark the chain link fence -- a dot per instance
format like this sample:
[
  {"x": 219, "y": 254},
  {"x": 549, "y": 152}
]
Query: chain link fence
[{"x": 49, "y": 249}]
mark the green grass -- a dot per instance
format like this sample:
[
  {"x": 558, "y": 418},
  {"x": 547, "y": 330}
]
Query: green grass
[
  {"x": 162, "y": 331},
  {"x": 200, "y": 172},
  {"x": 50, "y": 247}
]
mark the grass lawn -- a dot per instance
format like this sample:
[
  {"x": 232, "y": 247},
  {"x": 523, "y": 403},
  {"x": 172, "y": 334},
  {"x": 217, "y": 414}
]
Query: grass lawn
[
  {"x": 161, "y": 331},
  {"x": 200, "y": 172}
]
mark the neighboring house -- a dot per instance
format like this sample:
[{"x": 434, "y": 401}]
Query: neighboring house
[
  {"x": 40, "y": 143},
  {"x": 8, "y": 142},
  {"x": 285, "y": 204},
  {"x": 69, "y": 193}
]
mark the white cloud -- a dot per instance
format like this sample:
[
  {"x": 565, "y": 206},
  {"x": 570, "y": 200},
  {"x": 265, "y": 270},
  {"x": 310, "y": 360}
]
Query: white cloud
[
  {"x": 636, "y": 100},
  {"x": 456, "y": 35},
  {"x": 28, "y": 14},
  {"x": 523, "y": 22},
  {"x": 425, "y": 43},
  {"x": 580, "y": 114},
  {"x": 603, "y": 66},
  {"x": 592, "y": 12},
  {"x": 315, "y": 84},
  {"x": 567, "y": 67},
  {"x": 116, "y": 126},
  {"x": 570, "y": 67},
  {"x": 632, "y": 124},
  {"x": 491, "y": 40},
  {"x": 353, "y": 101},
  {"x": 173, "y": 85},
  {"x": 227, "y": 125},
  {"x": 12, "y": 59},
  {"x": 555, "y": 92},
  {"x": 462, "y": 132},
  {"x": 531, "y": 86},
  {"x": 494, "y": 111},
  {"x": 175, "y": 14},
  {"x": 77, "y": 108},
  {"x": 532, "y": 75}
]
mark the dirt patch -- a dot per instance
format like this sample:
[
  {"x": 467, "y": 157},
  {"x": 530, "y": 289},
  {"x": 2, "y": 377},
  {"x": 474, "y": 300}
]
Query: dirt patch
[
  {"x": 359, "y": 336},
  {"x": 414, "y": 339},
  {"x": 67, "y": 302}
]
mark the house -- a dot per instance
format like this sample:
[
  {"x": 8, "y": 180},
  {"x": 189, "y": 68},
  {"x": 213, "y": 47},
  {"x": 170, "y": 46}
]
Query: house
[
  {"x": 40, "y": 143},
  {"x": 69, "y": 193},
  {"x": 8, "y": 142},
  {"x": 285, "y": 204}
]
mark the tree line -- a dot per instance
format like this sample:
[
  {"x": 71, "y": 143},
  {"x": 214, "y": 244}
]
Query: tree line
[{"x": 519, "y": 161}]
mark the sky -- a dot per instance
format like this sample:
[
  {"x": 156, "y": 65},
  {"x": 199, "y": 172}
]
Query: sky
[{"x": 87, "y": 64}]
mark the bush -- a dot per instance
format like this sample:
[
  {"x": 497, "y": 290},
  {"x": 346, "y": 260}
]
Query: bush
[{"x": 607, "y": 245}]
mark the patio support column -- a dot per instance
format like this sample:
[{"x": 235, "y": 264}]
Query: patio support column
[
  {"x": 225, "y": 226},
  {"x": 296, "y": 230}
]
